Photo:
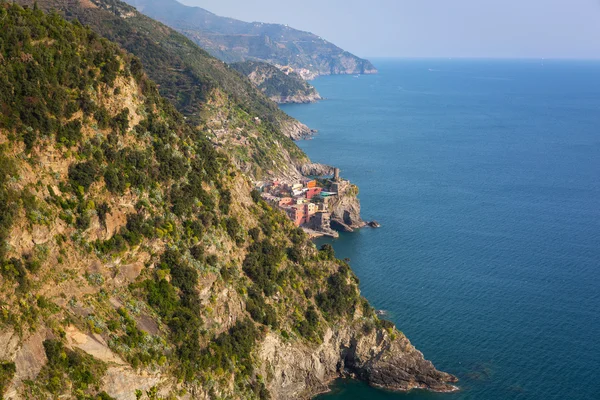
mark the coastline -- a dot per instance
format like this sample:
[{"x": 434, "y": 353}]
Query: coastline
[{"x": 388, "y": 370}]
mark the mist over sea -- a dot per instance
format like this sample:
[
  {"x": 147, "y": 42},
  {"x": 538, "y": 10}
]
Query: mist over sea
[{"x": 485, "y": 176}]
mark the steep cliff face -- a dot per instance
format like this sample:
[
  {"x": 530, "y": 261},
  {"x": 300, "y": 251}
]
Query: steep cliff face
[
  {"x": 345, "y": 210},
  {"x": 316, "y": 169},
  {"x": 250, "y": 141},
  {"x": 135, "y": 259},
  {"x": 382, "y": 357},
  {"x": 296, "y": 130},
  {"x": 281, "y": 87}
]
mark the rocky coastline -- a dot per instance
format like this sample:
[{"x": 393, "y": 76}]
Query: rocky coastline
[
  {"x": 297, "y": 99},
  {"x": 383, "y": 357},
  {"x": 296, "y": 130}
]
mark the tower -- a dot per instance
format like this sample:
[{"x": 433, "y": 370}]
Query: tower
[{"x": 336, "y": 174}]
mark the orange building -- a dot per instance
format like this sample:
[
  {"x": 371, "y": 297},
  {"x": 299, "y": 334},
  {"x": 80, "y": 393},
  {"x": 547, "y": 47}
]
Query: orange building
[{"x": 297, "y": 214}]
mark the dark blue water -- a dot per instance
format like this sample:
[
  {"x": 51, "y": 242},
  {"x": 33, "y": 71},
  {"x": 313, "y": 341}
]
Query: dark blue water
[{"x": 486, "y": 178}]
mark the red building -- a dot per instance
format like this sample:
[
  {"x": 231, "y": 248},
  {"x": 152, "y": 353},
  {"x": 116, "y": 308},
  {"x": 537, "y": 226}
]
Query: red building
[{"x": 312, "y": 192}]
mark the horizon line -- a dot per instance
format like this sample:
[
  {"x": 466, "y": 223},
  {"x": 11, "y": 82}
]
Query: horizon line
[{"x": 482, "y": 58}]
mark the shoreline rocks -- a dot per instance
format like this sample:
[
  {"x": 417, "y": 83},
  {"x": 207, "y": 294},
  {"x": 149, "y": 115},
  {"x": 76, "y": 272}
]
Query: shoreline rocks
[
  {"x": 345, "y": 213},
  {"x": 316, "y": 169},
  {"x": 296, "y": 130},
  {"x": 383, "y": 358}
]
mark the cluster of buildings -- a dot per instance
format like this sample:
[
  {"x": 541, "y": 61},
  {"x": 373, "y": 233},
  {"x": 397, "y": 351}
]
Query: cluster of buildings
[
  {"x": 305, "y": 202},
  {"x": 305, "y": 73}
]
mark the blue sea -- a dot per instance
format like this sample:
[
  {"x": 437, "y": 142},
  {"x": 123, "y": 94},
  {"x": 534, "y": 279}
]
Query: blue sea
[{"x": 485, "y": 176}]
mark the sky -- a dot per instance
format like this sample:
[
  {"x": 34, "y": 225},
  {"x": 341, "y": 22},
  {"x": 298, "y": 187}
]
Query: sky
[{"x": 435, "y": 28}]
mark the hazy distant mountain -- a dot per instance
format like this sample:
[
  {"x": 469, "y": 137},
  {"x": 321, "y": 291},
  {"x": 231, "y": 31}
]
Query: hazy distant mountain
[{"x": 232, "y": 40}]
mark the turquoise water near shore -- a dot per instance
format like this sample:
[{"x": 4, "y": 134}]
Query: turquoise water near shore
[{"x": 485, "y": 176}]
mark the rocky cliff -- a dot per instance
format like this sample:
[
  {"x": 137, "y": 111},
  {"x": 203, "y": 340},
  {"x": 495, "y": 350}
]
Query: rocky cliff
[
  {"x": 316, "y": 169},
  {"x": 345, "y": 209},
  {"x": 281, "y": 86},
  {"x": 382, "y": 357},
  {"x": 296, "y": 130}
]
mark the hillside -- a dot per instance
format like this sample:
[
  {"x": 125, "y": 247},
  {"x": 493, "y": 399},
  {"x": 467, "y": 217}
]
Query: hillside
[
  {"x": 232, "y": 40},
  {"x": 277, "y": 85},
  {"x": 204, "y": 89},
  {"x": 136, "y": 261}
]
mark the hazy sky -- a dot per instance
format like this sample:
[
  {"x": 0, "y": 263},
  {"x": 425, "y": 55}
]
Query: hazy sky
[{"x": 435, "y": 28}]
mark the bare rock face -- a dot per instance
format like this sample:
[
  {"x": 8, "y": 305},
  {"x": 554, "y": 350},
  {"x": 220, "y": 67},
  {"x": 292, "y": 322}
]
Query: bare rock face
[
  {"x": 378, "y": 358},
  {"x": 395, "y": 364},
  {"x": 316, "y": 169},
  {"x": 345, "y": 213},
  {"x": 295, "y": 130},
  {"x": 297, "y": 99}
]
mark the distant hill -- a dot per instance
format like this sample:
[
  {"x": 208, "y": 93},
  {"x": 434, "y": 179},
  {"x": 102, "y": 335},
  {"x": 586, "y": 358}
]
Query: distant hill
[
  {"x": 279, "y": 86},
  {"x": 232, "y": 40}
]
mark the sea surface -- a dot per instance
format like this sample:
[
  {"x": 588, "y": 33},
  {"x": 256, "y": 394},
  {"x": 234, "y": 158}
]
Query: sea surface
[{"x": 485, "y": 176}]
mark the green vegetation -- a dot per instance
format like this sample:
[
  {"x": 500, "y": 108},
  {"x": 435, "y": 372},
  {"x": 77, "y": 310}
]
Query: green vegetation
[
  {"x": 35, "y": 76},
  {"x": 73, "y": 368},
  {"x": 236, "y": 344},
  {"x": 177, "y": 303},
  {"x": 341, "y": 296},
  {"x": 259, "y": 310},
  {"x": 14, "y": 270},
  {"x": 187, "y": 76},
  {"x": 7, "y": 372}
]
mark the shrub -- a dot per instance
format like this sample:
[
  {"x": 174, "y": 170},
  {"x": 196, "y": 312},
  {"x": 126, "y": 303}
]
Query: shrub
[
  {"x": 177, "y": 303},
  {"x": 7, "y": 372},
  {"x": 102, "y": 210},
  {"x": 255, "y": 196},
  {"x": 254, "y": 233},
  {"x": 69, "y": 134},
  {"x": 341, "y": 296},
  {"x": 14, "y": 269},
  {"x": 102, "y": 117},
  {"x": 83, "y": 174},
  {"x": 197, "y": 252},
  {"x": 261, "y": 263},
  {"x": 235, "y": 345},
  {"x": 326, "y": 252},
  {"x": 260, "y": 311},
  {"x": 121, "y": 121},
  {"x": 233, "y": 228},
  {"x": 80, "y": 369}
]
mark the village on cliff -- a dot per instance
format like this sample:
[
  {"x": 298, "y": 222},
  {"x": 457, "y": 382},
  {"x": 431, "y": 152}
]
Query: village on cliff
[{"x": 308, "y": 201}]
